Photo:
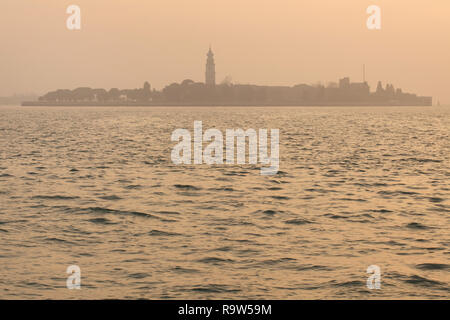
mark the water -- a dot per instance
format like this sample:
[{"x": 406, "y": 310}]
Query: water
[{"x": 95, "y": 187}]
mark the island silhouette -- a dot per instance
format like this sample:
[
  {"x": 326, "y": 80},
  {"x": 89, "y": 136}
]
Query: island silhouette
[{"x": 208, "y": 93}]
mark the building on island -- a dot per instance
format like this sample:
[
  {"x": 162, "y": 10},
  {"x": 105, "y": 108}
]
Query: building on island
[
  {"x": 210, "y": 74},
  {"x": 192, "y": 93}
]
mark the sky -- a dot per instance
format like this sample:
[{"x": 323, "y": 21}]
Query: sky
[{"x": 123, "y": 43}]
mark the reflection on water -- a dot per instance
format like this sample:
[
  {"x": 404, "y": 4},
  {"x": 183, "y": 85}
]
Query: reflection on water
[{"x": 95, "y": 187}]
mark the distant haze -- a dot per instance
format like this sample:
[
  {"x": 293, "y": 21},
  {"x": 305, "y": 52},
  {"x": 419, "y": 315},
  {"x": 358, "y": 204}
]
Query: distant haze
[{"x": 123, "y": 43}]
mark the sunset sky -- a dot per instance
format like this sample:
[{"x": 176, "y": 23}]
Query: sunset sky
[{"x": 123, "y": 43}]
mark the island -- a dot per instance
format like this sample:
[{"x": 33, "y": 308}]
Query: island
[{"x": 208, "y": 93}]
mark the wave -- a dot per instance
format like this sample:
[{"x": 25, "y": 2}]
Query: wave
[
  {"x": 298, "y": 221},
  {"x": 280, "y": 197},
  {"x": 417, "y": 225},
  {"x": 111, "y": 197},
  {"x": 187, "y": 187},
  {"x": 229, "y": 189},
  {"x": 159, "y": 233},
  {"x": 433, "y": 266},
  {"x": 58, "y": 240},
  {"x": 102, "y": 210},
  {"x": 270, "y": 212},
  {"x": 133, "y": 186},
  {"x": 101, "y": 221},
  {"x": 5, "y": 175},
  {"x": 421, "y": 160},
  {"x": 215, "y": 260},
  {"x": 424, "y": 282},
  {"x": 169, "y": 212},
  {"x": 184, "y": 270},
  {"x": 55, "y": 197},
  {"x": 213, "y": 288}
]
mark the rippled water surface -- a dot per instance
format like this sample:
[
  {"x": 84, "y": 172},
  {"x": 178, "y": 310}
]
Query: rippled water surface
[{"x": 95, "y": 187}]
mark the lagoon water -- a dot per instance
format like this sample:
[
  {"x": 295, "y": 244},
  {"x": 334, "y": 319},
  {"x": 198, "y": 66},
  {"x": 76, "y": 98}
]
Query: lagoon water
[{"x": 95, "y": 187}]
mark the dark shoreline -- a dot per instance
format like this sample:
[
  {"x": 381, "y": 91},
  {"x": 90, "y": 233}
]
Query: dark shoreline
[{"x": 212, "y": 104}]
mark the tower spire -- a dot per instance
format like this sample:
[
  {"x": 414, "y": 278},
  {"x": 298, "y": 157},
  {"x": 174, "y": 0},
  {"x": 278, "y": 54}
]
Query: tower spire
[{"x": 210, "y": 74}]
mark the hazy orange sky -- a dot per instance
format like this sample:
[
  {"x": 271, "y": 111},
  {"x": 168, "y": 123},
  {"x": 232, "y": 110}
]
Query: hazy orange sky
[{"x": 123, "y": 43}]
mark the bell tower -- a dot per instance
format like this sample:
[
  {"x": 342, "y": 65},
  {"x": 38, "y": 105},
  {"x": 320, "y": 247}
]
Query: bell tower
[{"x": 210, "y": 74}]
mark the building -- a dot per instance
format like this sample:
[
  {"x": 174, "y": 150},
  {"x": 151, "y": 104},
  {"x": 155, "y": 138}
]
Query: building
[
  {"x": 191, "y": 93},
  {"x": 210, "y": 74}
]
